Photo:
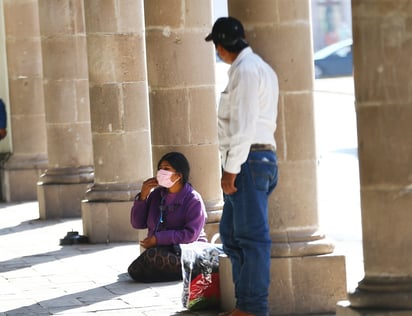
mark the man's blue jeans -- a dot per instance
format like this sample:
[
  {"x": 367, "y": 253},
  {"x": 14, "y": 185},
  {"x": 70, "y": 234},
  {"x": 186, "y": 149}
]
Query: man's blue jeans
[{"x": 244, "y": 231}]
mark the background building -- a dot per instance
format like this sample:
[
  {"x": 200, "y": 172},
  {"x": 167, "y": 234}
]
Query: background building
[{"x": 331, "y": 22}]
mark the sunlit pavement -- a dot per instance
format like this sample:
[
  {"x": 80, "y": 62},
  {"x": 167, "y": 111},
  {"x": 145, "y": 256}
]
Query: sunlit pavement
[{"x": 40, "y": 277}]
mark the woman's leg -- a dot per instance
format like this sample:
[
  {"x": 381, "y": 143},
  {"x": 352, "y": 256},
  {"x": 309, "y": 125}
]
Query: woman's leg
[{"x": 157, "y": 264}]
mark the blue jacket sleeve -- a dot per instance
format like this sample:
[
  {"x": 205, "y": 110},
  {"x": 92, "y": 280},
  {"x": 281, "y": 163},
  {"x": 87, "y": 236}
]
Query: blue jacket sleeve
[{"x": 3, "y": 115}]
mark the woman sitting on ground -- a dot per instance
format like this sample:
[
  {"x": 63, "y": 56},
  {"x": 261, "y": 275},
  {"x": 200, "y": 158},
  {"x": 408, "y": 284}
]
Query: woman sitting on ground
[{"x": 174, "y": 213}]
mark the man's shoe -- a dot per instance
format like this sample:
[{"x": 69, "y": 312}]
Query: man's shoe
[
  {"x": 226, "y": 313},
  {"x": 238, "y": 312}
]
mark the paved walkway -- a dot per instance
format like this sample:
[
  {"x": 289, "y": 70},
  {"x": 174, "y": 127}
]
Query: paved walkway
[{"x": 40, "y": 277}]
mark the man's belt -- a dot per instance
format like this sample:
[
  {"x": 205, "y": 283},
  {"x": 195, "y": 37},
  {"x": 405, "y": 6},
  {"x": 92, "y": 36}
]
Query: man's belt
[{"x": 262, "y": 147}]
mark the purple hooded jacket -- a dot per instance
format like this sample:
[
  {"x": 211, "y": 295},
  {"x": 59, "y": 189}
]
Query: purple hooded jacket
[{"x": 183, "y": 220}]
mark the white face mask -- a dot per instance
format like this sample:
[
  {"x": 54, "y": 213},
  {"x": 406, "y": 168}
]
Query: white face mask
[{"x": 164, "y": 178}]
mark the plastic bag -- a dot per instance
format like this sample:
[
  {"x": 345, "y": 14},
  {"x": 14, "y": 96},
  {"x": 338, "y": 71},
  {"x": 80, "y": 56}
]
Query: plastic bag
[{"x": 200, "y": 267}]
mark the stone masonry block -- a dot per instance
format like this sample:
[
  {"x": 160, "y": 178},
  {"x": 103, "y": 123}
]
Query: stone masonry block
[
  {"x": 60, "y": 97},
  {"x": 260, "y": 12},
  {"x": 202, "y": 123},
  {"x": 171, "y": 62},
  {"x": 157, "y": 15},
  {"x": 299, "y": 178},
  {"x": 390, "y": 128},
  {"x": 318, "y": 282},
  {"x": 119, "y": 107},
  {"x": 101, "y": 16},
  {"x": 30, "y": 140},
  {"x": 81, "y": 103},
  {"x": 71, "y": 50},
  {"x": 27, "y": 95},
  {"x": 76, "y": 138},
  {"x": 299, "y": 285},
  {"x": 120, "y": 228},
  {"x": 60, "y": 200},
  {"x": 293, "y": 11},
  {"x": 136, "y": 106},
  {"x": 26, "y": 13},
  {"x": 61, "y": 17},
  {"x": 24, "y": 57},
  {"x": 194, "y": 19},
  {"x": 116, "y": 58},
  {"x": 168, "y": 101},
  {"x": 300, "y": 138},
  {"x": 293, "y": 65},
  {"x": 20, "y": 185},
  {"x": 204, "y": 178},
  {"x": 108, "y": 222},
  {"x": 386, "y": 231},
  {"x": 112, "y": 16},
  {"x": 106, "y": 108},
  {"x": 109, "y": 167},
  {"x": 95, "y": 221}
]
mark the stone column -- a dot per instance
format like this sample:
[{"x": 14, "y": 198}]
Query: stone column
[
  {"x": 25, "y": 78},
  {"x": 120, "y": 116},
  {"x": 182, "y": 93},
  {"x": 383, "y": 90},
  {"x": 304, "y": 279},
  {"x": 66, "y": 97}
]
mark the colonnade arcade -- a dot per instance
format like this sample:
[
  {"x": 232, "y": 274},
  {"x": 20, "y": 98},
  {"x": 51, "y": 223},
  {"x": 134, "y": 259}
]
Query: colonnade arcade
[{"x": 98, "y": 90}]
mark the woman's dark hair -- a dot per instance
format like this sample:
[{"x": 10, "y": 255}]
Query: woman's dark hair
[{"x": 179, "y": 162}]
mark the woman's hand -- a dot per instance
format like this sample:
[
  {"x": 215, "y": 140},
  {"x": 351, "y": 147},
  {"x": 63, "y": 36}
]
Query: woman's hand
[
  {"x": 148, "y": 242},
  {"x": 147, "y": 186}
]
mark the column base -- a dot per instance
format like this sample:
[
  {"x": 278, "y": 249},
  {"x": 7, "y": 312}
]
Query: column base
[
  {"x": 212, "y": 231},
  {"x": 214, "y": 214},
  {"x": 112, "y": 192},
  {"x": 61, "y": 190},
  {"x": 20, "y": 185},
  {"x": 299, "y": 285},
  {"x": 60, "y": 200},
  {"x": 300, "y": 243},
  {"x": 343, "y": 308},
  {"x": 20, "y": 174},
  {"x": 105, "y": 222},
  {"x": 383, "y": 292}
]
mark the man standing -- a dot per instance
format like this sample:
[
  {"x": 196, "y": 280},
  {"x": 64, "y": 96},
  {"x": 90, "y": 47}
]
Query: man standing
[{"x": 246, "y": 125}]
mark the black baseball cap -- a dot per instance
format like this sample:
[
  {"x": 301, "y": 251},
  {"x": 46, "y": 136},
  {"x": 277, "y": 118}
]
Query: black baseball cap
[{"x": 226, "y": 31}]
